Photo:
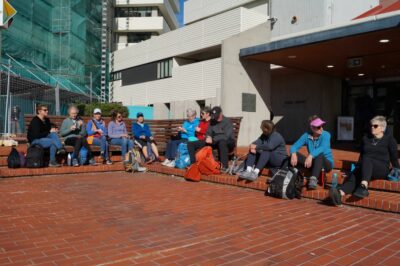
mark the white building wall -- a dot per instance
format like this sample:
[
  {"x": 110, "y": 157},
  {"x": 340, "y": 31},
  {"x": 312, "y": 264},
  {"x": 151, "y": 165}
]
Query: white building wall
[
  {"x": 199, "y": 9},
  {"x": 141, "y": 24},
  {"x": 189, "y": 82},
  {"x": 314, "y": 13},
  {"x": 204, "y": 34}
]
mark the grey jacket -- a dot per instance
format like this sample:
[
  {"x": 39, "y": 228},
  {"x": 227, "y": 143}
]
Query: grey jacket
[
  {"x": 66, "y": 131},
  {"x": 220, "y": 130},
  {"x": 273, "y": 142}
]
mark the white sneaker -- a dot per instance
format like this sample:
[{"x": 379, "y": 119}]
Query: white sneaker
[
  {"x": 171, "y": 164},
  {"x": 166, "y": 161},
  {"x": 141, "y": 169}
]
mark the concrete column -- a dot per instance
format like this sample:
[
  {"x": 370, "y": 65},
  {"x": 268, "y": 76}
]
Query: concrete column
[
  {"x": 178, "y": 108},
  {"x": 245, "y": 76},
  {"x": 161, "y": 111}
]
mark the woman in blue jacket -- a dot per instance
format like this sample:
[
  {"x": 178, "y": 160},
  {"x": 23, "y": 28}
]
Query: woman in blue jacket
[
  {"x": 186, "y": 133},
  {"x": 318, "y": 143},
  {"x": 143, "y": 137}
]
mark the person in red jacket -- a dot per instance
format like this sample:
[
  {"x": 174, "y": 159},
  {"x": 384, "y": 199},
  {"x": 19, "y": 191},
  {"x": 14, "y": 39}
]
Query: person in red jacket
[{"x": 200, "y": 131}]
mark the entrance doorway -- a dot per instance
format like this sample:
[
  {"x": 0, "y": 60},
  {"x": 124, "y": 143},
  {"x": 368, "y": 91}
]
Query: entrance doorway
[{"x": 364, "y": 101}]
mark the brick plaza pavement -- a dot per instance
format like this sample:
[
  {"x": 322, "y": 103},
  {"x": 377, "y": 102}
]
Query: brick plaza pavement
[{"x": 149, "y": 219}]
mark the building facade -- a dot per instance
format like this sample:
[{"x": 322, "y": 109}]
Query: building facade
[
  {"x": 137, "y": 21},
  {"x": 199, "y": 65}
]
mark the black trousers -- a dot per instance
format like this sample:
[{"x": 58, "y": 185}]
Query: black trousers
[
  {"x": 223, "y": 147},
  {"x": 368, "y": 168},
  {"x": 265, "y": 158},
  {"x": 318, "y": 163},
  {"x": 78, "y": 143}
]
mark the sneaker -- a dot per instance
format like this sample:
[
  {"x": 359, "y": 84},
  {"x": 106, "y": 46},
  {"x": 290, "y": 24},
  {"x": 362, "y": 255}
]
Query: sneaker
[
  {"x": 92, "y": 162},
  {"x": 166, "y": 161},
  {"x": 171, "y": 164},
  {"x": 244, "y": 174},
  {"x": 241, "y": 172},
  {"x": 54, "y": 164},
  {"x": 75, "y": 162},
  {"x": 61, "y": 151},
  {"x": 141, "y": 169},
  {"x": 335, "y": 196},
  {"x": 361, "y": 192},
  {"x": 224, "y": 170},
  {"x": 252, "y": 176},
  {"x": 109, "y": 162},
  {"x": 312, "y": 182}
]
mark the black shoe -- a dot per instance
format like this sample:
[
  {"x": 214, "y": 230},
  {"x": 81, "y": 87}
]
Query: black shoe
[
  {"x": 54, "y": 164},
  {"x": 336, "y": 197},
  {"x": 361, "y": 192},
  {"x": 61, "y": 151}
]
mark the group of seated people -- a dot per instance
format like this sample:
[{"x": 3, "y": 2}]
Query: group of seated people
[{"x": 378, "y": 151}]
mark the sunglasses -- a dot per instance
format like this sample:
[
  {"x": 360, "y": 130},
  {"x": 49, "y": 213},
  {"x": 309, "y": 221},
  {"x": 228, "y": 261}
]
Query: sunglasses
[
  {"x": 45, "y": 110},
  {"x": 318, "y": 128},
  {"x": 374, "y": 126},
  {"x": 119, "y": 116}
]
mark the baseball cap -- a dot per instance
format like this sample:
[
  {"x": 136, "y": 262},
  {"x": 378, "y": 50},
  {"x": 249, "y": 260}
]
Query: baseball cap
[
  {"x": 139, "y": 114},
  {"x": 215, "y": 112},
  {"x": 96, "y": 111},
  {"x": 317, "y": 122}
]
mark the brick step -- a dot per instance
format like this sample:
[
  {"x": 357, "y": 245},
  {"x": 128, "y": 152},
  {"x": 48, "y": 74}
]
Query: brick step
[
  {"x": 6, "y": 172},
  {"x": 378, "y": 200},
  {"x": 114, "y": 158}
]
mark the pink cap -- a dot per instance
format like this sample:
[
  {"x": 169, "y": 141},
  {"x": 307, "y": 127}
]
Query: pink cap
[{"x": 317, "y": 122}]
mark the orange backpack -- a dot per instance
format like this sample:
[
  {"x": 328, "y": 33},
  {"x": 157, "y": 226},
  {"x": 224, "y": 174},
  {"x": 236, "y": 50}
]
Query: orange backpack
[{"x": 206, "y": 162}]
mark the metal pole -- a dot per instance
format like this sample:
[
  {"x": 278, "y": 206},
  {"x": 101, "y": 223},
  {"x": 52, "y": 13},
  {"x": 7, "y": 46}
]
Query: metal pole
[
  {"x": 57, "y": 94},
  {"x": 91, "y": 86},
  {"x": 6, "y": 118}
]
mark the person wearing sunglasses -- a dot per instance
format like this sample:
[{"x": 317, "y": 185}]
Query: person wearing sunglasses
[
  {"x": 378, "y": 153},
  {"x": 119, "y": 135},
  {"x": 318, "y": 143},
  {"x": 200, "y": 133},
  {"x": 41, "y": 132}
]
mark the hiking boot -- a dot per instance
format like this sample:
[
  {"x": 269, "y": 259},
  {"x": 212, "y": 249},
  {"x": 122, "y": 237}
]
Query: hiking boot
[
  {"x": 166, "y": 161},
  {"x": 75, "y": 162},
  {"x": 312, "y": 182},
  {"x": 54, "y": 164},
  {"x": 335, "y": 196},
  {"x": 361, "y": 192}
]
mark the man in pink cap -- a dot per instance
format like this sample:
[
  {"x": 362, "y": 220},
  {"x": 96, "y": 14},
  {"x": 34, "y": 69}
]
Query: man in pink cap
[{"x": 318, "y": 143}]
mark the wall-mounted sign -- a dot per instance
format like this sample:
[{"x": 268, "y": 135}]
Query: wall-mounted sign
[{"x": 345, "y": 128}]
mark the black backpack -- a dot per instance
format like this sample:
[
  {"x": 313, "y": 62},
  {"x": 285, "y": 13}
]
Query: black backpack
[
  {"x": 34, "y": 157},
  {"x": 287, "y": 183},
  {"x": 13, "y": 159}
]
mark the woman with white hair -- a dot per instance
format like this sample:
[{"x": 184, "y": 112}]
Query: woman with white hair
[
  {"x": 378, "y": 154},
  {"x": 185, "y": 133}
]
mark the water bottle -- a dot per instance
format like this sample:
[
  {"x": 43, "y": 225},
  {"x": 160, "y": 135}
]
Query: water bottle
[
  {"x": 69, "y": 159},
  {"x": 334, "y": 180}
]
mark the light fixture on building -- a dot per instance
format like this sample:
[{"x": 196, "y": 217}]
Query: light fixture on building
[
  {"x": 292, "y": 56},
  {"x": 330, "y": 66},
  {"x": 384, "y": 40},
  {"x": 361, "y": 74}
]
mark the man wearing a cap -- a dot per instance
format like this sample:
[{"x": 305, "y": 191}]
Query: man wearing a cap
[
  {"x": 97, "y": 134},
  {"x": 318, "y": 143},
  {"x": 219, "y": 135},
  {"x": 143, "y": 136}
]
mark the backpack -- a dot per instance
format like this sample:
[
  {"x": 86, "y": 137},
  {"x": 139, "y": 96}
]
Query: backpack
[
  {"x": 193, "y": 173},
  {"x": 287, "y": 183},
  {"x": 206, "y": 162},
  {"x": 34, "y": 157},
  {"x": 134, "y": 161},
  {"x": 182, "y": 159},
  {"x": 13, "y": 159}
]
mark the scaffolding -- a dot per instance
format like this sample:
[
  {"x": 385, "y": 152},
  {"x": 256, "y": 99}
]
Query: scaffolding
[{"x": 54, "y": 47}]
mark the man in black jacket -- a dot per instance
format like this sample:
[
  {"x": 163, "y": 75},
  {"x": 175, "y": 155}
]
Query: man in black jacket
[
  {"x": 42, "y": 133},
  {"x": 219, "y": 135}
]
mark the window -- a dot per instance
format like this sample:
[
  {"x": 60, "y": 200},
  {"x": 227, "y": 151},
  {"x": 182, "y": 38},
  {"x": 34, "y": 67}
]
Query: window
[
  {"x": 136, "y": 37},
  {"x": 164, "y": 69},
  {"x": 115, "y": 76},
  {"x": 134, "y": 11}
]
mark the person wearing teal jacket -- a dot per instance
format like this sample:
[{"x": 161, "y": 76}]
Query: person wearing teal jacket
[{"x": 318, "y": 143}]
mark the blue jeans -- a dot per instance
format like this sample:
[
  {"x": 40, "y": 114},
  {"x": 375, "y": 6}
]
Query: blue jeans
[
  {"x": 51, "y": 141},
  {"x": 126, "y": 145},
  {"x": 102, "y": 142}
]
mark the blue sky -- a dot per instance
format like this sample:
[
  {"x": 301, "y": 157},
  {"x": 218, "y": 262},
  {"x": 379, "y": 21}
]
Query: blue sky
[{"x": 180, "y": 15}]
